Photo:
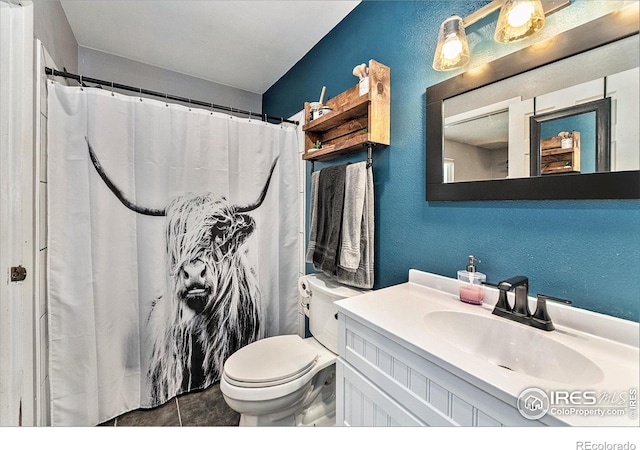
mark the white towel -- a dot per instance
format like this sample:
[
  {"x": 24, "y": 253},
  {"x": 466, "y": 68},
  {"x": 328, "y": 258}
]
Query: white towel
[{"x": 362, "y": 277}]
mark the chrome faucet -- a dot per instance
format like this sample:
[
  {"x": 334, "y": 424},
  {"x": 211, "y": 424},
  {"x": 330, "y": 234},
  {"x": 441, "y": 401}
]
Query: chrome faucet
[{"x": 520, "y": 312}]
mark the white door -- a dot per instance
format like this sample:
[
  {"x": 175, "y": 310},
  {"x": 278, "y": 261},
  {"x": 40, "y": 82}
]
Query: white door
[{"x": 16, "y": 213}]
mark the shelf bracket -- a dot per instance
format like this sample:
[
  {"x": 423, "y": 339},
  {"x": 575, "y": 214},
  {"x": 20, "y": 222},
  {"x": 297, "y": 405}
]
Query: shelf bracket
[{"x": 369, "y": 154}]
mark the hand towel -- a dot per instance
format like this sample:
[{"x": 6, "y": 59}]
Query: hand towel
[
  {"x": 363, "y": 276},
  {"x": 313, "y": 220},
  {"x": 329, "y": 208},
  {"x": 355, "y": 187}
]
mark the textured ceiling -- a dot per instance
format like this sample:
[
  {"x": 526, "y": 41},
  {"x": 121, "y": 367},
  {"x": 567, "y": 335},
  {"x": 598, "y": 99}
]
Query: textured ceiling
[{"x": 244, "y": 44}]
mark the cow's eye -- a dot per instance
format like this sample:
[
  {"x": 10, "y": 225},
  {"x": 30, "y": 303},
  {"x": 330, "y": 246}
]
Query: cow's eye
[
  {"x": 221, "y": 220},
  {"x": 220, "y": 227}
]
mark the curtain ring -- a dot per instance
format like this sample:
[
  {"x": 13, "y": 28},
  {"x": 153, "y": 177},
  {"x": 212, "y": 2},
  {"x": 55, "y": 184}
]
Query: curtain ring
[
  {"x": 81, "y": 88},
  {"x": 140, "y": 89},
  {"x": 166, "y": 98},
  {"x": 211, "y": 111},
  {"x": 112, "y": 94},
  {"x": 189, "y": 104},
  {"x": 249, "y": 116}
]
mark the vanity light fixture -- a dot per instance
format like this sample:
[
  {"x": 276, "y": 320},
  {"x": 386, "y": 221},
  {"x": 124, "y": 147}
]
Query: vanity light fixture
[{"x": 518, "y": 19}]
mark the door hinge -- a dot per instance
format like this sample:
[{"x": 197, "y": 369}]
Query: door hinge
[{"x": 18, "y": 273}]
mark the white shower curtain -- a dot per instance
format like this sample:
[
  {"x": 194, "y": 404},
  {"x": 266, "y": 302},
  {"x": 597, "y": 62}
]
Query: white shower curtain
[{"x": 169, "y": 251}]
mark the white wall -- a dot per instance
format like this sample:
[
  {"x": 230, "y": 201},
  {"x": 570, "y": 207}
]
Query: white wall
[
  {"x": 104, "y": 66},
  {"x": 625, "y": 135},
  {"x": 53, "y": 30},
  {"x": 471, "y": 163}
]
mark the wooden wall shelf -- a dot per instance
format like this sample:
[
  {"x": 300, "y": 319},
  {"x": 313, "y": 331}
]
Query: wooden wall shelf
[
  {"x": 355, "y": 120},
  {"x": 555, "y": 159}
]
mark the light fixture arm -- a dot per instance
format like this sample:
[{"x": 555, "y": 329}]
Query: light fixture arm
[
  {"x": 482, "y": 12},
  {"x": 549, "y": 8}
]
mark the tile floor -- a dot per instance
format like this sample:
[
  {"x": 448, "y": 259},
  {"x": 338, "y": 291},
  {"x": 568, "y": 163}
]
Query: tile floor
[{"x": 205, "y": 408}]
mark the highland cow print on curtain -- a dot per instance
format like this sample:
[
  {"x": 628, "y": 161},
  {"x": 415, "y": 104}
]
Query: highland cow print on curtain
[{"x": 172, "y": 244}]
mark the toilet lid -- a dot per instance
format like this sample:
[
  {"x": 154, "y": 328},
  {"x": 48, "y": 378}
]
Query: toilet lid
[{"x": 270, "y": 361}]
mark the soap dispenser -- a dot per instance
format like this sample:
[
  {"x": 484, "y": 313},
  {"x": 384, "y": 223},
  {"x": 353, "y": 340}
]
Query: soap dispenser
[{"x": 470, "y": 283}]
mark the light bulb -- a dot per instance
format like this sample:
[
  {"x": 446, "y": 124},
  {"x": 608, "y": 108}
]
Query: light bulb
[
  {"x": 519, "y": 19},
  {"x": 452, "y": 47},
  {"x": 520, "y": 14}
]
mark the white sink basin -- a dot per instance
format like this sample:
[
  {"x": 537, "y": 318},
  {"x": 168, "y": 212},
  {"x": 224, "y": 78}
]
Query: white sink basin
[{"x": 513, "y": 347}]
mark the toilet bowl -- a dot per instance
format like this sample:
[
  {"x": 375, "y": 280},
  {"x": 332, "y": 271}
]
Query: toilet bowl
[{"x": 287, "y": 380}]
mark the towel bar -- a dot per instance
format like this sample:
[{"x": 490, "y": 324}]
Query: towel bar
[{"x": 369, "y": 157}]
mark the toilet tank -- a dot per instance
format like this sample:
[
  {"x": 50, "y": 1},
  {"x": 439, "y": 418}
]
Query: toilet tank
[{"x": 323, "y": 321}]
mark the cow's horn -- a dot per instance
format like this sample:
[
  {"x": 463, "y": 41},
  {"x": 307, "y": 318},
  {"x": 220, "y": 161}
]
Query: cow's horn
[
  {"x": 263, "y": 194},
  {"x": 117, "y": 192}
]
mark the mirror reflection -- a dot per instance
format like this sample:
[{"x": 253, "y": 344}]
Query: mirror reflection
[
  {"x": 572, "y": 140},
  {"x": 479, "y": 142},
  {"x": 563, "y": 151},
  {"x": 489, "y": 133}
]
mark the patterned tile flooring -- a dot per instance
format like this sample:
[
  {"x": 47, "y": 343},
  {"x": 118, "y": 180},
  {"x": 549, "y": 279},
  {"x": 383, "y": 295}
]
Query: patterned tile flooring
[{"x": 205, "y": 408}]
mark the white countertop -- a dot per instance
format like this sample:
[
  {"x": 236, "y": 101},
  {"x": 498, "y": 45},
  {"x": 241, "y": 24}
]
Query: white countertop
[{"x": 398, "y": 312}]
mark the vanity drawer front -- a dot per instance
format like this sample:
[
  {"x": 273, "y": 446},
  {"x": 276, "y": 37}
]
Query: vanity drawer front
[
  {"x": 362, "y": 404},
  {"x": 433, "y": 394}
]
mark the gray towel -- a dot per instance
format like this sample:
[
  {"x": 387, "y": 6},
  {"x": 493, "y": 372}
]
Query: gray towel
[
  {"x": 362, "y": 276},
  {"x": 355, "y": 187},
  {"x": 313, "y": 220},
  {"x": 329, "y": 207}
]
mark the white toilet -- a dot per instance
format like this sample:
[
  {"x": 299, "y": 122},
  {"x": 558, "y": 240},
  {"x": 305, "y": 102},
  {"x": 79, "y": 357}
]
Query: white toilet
[{"x": 288, "y": 380}]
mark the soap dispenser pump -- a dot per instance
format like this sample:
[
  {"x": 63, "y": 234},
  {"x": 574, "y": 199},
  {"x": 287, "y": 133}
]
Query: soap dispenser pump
[{"x": 470, "y": 283}]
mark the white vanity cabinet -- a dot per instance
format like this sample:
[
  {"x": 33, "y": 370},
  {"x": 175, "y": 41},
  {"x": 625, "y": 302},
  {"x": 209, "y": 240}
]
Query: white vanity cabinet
[
  {"x": 413, "y": 354},
  {"x": 382, "y": 382}
]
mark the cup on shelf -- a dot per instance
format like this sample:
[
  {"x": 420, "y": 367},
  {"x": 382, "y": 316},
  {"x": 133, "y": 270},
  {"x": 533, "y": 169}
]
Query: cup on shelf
[{"x": 316, "y": 110}]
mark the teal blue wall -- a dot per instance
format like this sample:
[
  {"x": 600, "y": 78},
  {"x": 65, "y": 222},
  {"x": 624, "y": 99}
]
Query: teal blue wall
[{"x": 586, "y": 251}]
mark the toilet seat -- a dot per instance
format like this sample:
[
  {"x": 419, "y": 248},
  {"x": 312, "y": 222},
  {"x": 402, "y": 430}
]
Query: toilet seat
[
  {"x": 270, "y": 362},
  {"x": 247, "y": 391}
]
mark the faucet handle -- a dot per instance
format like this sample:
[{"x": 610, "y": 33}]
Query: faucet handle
[
  {"x": 513, "y": 282},
  {"x": 540, "y": 318},
  {"x": 545, "y": 297},
  {"x": 502, "y": 307}
]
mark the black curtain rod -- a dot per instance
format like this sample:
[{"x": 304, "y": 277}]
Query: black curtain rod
[{"x": 81, "y": 79}]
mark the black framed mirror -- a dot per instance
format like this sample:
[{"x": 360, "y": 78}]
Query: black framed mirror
[
  {"x": 622, "y": 184},
  {"x": 556, "y": 152}
]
